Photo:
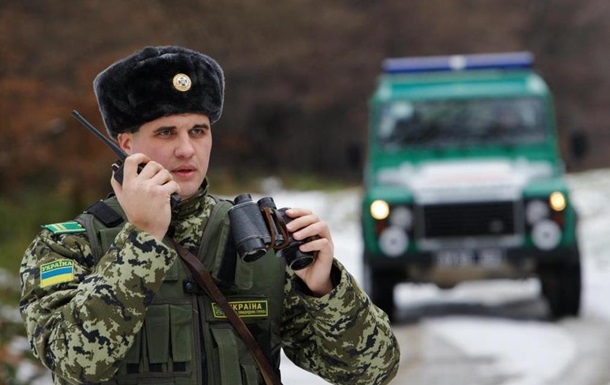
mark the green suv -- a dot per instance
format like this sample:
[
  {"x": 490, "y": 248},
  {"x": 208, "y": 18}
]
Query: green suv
[{"x": 464, "y": 179}]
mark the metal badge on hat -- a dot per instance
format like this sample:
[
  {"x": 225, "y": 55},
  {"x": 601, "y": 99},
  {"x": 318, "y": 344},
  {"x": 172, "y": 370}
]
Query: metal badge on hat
[{"x": 182, "y": 82}]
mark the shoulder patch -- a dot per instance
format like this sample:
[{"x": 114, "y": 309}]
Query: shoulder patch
[
  {"x": 56, "y": 272},
  {"x": 65, "y": 227}
]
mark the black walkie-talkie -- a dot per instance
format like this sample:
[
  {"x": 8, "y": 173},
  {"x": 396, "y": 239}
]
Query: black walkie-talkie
[{"x": 118, "y": 173}]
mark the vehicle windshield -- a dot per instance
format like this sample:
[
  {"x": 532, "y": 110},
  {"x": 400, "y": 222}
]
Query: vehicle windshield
[{"x": 459, "y": 123}]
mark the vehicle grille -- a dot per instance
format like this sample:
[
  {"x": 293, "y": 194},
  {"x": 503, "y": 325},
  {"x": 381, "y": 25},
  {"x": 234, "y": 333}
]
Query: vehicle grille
[{"x": 467, "y": 219}]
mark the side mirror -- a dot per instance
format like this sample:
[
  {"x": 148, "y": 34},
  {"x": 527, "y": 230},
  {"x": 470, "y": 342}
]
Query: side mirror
[
  {"x": 579, "y": 144},
  {"x": 353, "y": 154}
]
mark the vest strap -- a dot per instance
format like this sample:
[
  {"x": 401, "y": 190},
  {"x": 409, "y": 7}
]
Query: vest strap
[
  {"x": 86, "y": 220},
  {"x": 205, "y": 280},
  {"x": 105, "y": 214}
]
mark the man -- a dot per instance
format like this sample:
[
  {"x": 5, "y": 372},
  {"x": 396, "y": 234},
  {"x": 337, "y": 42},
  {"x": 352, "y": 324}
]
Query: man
[{"x": 106, "y": 299}]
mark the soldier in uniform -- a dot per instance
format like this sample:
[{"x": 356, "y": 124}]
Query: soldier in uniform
[{"x": 106, "y": 299}]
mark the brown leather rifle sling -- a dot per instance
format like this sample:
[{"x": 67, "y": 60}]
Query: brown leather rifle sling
[{"x": 206, "y": 282}]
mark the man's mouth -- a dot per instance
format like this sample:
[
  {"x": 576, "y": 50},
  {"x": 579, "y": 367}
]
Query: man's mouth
[{"x": 184, "y": 171}]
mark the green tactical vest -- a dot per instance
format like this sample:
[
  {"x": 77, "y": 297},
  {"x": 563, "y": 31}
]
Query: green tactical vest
[{"x": 186, "y": 339}]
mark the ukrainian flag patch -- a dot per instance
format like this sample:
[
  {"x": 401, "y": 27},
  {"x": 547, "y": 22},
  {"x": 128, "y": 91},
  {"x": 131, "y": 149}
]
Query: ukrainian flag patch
[
  {"x": 56, "y": 272},
  {"x": 65, "y": 227}
]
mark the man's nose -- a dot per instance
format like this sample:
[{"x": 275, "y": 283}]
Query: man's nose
[{"x": 184, "y": 147}]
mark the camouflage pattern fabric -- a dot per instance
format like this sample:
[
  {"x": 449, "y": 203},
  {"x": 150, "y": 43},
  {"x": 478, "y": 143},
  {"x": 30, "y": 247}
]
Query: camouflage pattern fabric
[
  {"x": 342, "y": 337},
  {"x": 82, "y": 326}
]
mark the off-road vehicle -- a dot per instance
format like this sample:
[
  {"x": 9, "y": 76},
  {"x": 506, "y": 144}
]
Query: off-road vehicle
[{"x": 464, "y": 179}]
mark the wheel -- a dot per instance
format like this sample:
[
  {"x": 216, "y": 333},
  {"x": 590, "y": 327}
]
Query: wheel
[
  {"x": 561, "y": 286},
  {"x": 379, "y": 285}
]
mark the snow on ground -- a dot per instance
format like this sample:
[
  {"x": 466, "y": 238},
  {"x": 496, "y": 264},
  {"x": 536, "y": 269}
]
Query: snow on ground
[
  {"x": 530, "y": 352},
  {"x": 592, "y": 198},
  {"x": 521, "y": 350}
]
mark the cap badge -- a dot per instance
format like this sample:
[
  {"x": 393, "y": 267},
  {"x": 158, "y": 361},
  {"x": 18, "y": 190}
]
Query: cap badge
[{"x": 182, "y": 82}]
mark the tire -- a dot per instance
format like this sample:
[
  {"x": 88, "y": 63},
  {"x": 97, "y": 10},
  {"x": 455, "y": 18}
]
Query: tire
[
  {"x": 379, "y": 285},
  {"x": 561, "y": 285}
]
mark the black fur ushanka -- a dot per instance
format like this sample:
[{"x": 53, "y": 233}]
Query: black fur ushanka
[{"x": 156, "y": 82}]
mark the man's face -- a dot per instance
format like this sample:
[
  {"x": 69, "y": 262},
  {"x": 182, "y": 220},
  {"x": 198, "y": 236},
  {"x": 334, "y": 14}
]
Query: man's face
[{"x": 180, "y": 143}]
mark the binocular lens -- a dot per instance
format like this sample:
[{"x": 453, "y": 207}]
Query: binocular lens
[
  {"x": 295, "y": 258},
  {"x": 266, "y": 202},
  {"x": 253, "y": 255},
  {"x": 301, "y": 263},
  {"x": 249, "y": 229}
]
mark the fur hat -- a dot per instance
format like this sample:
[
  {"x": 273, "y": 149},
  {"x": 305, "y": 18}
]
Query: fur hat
[{"x": 157, "y": 82}]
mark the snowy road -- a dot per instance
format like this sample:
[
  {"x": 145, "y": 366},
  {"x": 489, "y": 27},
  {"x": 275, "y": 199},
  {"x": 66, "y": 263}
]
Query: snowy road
[{"x": 490, "y": 333}]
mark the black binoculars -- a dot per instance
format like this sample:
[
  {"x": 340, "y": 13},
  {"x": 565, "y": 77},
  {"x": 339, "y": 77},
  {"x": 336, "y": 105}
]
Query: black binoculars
[{"x": 258, "y": 226}]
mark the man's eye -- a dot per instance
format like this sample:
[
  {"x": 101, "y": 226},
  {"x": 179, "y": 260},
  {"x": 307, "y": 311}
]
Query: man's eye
[
  {"x": 197, "y": 131},
  {"x": 164, "y": 132}
]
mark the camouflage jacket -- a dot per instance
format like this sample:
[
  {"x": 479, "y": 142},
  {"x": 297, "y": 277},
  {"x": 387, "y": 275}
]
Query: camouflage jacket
[{"x": 78, "y": 329}]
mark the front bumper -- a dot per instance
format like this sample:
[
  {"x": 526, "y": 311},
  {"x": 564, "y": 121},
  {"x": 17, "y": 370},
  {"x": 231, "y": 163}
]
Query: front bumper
[{"x": 448, "y": 267}]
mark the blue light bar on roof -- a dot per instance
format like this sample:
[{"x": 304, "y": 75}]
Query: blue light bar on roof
[{"x": 509, "y": 60}]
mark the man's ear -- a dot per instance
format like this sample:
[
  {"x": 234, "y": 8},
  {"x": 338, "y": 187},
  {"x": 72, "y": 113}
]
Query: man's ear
[{"x": 124, "y": 140}]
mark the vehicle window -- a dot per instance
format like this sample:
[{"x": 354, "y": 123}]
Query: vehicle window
[{"x": 462, "y": 122}]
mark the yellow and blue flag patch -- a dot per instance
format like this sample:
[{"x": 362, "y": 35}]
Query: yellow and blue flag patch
[{"x": 56, "y": 272}]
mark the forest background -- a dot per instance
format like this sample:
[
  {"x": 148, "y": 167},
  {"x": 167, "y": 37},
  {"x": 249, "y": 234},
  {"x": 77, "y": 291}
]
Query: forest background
[{"x": 299, "y": 75}]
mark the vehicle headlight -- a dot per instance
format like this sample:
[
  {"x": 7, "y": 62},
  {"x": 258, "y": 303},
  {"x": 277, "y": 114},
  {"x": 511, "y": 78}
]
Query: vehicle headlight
[
  {"x": 546, "y": 234},
  {"x": 393, "y": 241},
  {"x": 401, "y": 216},
  {"x": 557, "y": 201},
  {"x": 535, "y": 211},
  {"x": 380, "y": 209}
]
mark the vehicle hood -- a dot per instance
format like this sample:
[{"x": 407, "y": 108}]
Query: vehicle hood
[{"x": 481, "y": 179}]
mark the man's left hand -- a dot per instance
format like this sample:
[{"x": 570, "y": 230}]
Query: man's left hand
[{"x": 305, "y": 224}]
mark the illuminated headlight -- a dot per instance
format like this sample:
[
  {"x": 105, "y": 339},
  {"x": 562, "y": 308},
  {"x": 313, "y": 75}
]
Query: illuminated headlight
[
  {"x": 402, "y": 217},
  {"x": 380, "y": 209},
  {"x": 546, "y": 234},
  {"x": 536, "y": 211},
  {"x": 393, "y": 241},
  {"x": 557, "y": 201}
]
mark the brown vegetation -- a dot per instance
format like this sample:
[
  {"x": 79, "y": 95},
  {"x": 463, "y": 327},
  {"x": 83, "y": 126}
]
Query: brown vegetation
[{"x": 299, "y": 73}]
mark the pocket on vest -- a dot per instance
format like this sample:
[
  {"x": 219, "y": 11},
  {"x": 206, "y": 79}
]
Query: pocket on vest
[
  {"x": 227, "y": 349},
  {"x": 164, "y": 346}
]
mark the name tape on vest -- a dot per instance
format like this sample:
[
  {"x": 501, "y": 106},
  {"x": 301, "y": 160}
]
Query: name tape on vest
[{"x": 244, "y": 309}]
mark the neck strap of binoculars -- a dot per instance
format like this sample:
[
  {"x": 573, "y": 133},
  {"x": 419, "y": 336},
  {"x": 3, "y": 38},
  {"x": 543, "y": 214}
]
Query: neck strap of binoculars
[{"x": 206, "y": 282}]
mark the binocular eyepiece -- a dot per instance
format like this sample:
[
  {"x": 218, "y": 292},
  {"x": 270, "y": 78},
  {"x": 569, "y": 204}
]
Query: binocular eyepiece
[{"x": 258, "y": 226}]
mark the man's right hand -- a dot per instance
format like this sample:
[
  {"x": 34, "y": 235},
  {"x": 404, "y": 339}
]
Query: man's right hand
[{"x": 145, "y": 197}]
